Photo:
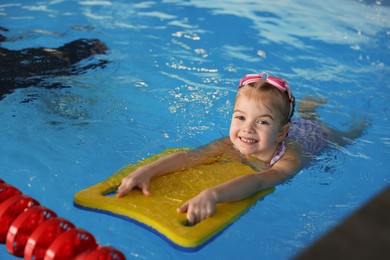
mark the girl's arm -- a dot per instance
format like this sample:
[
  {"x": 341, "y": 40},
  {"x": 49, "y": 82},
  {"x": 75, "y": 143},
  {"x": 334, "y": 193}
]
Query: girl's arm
[
  {"x": 174, "y": 162},
  {"x": 204, "y": 205},
  {"x": 247, "y": 185}
]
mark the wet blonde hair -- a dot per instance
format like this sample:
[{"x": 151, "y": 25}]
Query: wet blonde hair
[{"x": 269, "y": 96}]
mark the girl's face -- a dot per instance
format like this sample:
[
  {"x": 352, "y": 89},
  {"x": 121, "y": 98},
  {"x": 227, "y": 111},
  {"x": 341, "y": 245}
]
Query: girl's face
[{"x": 255, "y": 129}]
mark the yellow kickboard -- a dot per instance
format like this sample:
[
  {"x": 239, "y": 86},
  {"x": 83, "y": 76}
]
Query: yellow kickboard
[{"x": 158, "y": 211}]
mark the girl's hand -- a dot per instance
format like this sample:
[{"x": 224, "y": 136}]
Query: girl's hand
[
  {"x": 138, "y": 179},
  {"x": 200, "y": 207}
]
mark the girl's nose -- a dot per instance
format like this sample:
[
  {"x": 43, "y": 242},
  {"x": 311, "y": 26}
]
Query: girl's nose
[{"x": 248, "y": 127}]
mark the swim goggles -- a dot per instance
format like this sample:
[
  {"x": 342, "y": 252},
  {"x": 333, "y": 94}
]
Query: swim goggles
[{"x": 280, "y": 84}]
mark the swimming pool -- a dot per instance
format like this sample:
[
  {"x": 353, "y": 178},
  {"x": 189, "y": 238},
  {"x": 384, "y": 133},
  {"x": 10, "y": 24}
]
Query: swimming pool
[{"x": 170, "y": 82}]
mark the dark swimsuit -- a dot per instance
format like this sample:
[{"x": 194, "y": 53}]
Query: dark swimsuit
[{"x": 309, "y": 133}]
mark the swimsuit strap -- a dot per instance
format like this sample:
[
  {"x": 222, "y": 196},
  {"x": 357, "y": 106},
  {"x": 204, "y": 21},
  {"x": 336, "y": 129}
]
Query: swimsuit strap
[{"x": 279, "y": 153}]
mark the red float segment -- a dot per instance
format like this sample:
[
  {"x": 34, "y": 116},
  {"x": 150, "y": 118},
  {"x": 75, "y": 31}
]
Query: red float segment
[
  {"x": 102, "y": 253},
  {"x": 23, "y": 226},
  {"x": 43, "y": 236},
  {"x": 7, "y": 191},
  {"x": 71, "y": 244},
  {"x": 48, "y": 237},
  {"x": 10, "y": 209}
]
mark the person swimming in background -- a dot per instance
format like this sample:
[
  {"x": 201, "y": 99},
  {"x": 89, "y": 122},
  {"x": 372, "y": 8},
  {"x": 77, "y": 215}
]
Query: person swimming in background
[
  {"x": 262, "y": 135},
  {"x": 28, "y": 67}
]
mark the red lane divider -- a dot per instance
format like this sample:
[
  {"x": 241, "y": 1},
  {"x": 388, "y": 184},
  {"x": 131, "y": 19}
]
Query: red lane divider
[
  {"x": 7, "y": 191},
  {"x": 35, "y": 232},
  {"x": 10, "y": 209},
  {"x": 43, "y": 236},
  {"x": 70, "y": 244},
  {"x": 22, "y": 227},
  {"x": 102, "y": 252}
]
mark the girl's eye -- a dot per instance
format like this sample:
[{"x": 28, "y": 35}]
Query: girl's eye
[
  {"x": 240, "y": 117},
  {"x": 262, "y": 122}
]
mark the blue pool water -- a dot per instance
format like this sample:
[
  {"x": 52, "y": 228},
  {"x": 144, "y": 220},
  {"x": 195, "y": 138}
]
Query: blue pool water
[{"x": 170, "y": 82}]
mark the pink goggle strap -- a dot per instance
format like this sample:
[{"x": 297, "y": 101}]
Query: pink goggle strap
[{"x": 279, "y": 84}]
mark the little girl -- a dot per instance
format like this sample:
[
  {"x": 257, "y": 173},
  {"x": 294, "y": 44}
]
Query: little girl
[{"x": 260, "y": 124}]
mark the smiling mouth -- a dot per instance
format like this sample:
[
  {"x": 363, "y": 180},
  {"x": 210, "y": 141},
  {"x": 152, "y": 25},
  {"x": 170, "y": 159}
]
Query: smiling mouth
[{"x": 248, "y": 140}]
